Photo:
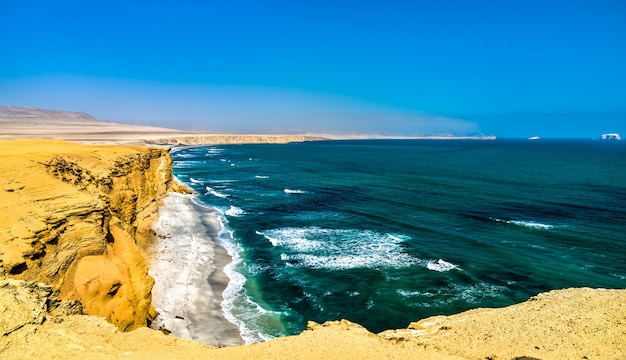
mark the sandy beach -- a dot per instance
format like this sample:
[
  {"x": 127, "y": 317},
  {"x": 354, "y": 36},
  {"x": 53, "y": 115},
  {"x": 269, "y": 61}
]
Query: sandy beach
[{"x": 187, "y": 264}]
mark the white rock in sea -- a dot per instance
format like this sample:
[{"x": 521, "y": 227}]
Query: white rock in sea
[{"x": 613, "y": 136}]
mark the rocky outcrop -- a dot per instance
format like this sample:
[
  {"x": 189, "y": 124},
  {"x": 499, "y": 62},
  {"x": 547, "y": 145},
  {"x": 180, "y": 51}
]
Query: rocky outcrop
[
  {"x": 23, "y": 304},
  {"x": 82, "y": 232}
]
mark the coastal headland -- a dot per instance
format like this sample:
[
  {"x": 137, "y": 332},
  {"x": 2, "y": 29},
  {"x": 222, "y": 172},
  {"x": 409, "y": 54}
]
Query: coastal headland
[{"x": 76, "y": 240}]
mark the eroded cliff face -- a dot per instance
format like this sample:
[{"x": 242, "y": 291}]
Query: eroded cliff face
[{"x": 76, "y": 217}]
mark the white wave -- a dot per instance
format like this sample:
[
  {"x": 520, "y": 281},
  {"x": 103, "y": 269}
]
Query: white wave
[
  {"x": 622, "y": 277},
  {"x": 290, "y": 191},
  {"x": 219, "y": 181},
  {"x": 523, "y": 223},
  {"x": 471, "y": 294},
  {"x": 214, "y": 151},
  {"x": 532, "y": 224},
  {"x": 216, "y": 193},
  {"x": 195, "y": 181},
  {"x": 185, "y": 156},
  {"x": 234, "y": 211},
  {"x": 440, "y": 265},
  {"x": 178, "y": 164},
  {"x": 319, "y": 248},
  {"x": 412, "y": 293},
  {"x": 237, "y": 306},
  {"x": 261, "y": 177}
]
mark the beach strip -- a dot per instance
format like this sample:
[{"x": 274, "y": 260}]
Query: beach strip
[{"x": 187, "y": 264}]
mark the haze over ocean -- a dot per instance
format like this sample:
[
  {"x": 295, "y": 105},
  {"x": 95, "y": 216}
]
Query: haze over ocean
[
  {"x": 383, "y": 232},
  {"x": 510, "y": 69}
]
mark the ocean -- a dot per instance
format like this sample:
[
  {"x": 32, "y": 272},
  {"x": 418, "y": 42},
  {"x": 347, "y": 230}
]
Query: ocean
[{"x": 385, "y": 232}]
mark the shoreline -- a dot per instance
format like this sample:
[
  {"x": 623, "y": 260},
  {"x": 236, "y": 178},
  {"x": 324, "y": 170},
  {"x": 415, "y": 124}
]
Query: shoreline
[{"x": 187, "y": 263}]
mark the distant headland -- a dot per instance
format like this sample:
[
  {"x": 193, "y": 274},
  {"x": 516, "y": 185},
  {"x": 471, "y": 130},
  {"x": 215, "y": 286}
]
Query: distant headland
[{"x": 34, "y": 123}]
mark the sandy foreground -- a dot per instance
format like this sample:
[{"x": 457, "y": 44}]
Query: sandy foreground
[{"x": 564, "y": 324}]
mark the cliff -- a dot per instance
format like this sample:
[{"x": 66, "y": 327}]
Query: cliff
[{"x": 75, "y": 217}]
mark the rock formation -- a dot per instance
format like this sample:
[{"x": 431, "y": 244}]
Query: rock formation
[{"x": 82, "y": 232}]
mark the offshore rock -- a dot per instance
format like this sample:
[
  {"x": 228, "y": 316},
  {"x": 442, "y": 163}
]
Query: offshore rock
[{"x": 76, "y": 217}]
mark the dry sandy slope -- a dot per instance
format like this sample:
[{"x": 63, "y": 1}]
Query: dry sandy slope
[
  {"x": 33, "y": 123},
  {"x": 564, "y": 324}
]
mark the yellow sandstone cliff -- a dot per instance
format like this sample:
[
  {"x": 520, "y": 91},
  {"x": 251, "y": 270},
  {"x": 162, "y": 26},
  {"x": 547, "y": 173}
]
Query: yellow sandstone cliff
[{"x": 81, "y": 232}]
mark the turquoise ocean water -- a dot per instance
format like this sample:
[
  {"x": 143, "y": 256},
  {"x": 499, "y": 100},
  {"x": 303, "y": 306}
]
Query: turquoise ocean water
[{"x": 384, "y": 232}]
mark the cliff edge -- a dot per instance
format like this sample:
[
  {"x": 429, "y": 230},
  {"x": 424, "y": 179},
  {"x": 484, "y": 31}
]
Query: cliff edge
[
  {"x": 75, "y": 217},
  {"x": 562, "y": 324}
]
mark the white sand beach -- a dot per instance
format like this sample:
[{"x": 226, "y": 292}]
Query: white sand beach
[{"x": 188, "y": 269}]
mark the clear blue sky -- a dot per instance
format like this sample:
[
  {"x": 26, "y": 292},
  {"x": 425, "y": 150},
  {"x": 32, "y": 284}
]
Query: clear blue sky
[{"x": 504, "y": 68}]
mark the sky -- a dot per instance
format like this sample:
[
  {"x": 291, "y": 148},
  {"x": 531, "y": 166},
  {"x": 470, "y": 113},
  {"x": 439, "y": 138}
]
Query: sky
[{"x": 504, "y": 68}]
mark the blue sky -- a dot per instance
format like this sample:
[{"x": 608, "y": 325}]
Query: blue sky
[{"x": 504, "y": 68}]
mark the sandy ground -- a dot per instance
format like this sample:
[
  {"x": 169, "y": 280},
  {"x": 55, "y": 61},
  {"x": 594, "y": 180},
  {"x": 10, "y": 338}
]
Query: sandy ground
[{"x": 578, "y": 324}]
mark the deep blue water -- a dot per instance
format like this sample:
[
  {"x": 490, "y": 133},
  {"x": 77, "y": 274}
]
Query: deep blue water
[{"x": 384, "y": 232}]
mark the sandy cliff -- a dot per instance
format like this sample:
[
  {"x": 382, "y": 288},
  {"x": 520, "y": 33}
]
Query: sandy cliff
[{"x": 73, "y": 216}]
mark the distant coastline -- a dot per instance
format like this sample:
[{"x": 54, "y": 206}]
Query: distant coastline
[{"x": 33, "y": 123}]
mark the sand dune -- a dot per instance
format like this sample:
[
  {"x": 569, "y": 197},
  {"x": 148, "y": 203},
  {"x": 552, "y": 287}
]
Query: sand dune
[{"x": 32, "y": 123}]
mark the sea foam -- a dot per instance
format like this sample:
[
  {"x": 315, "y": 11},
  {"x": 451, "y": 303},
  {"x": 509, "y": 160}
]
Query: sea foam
[
  {"x": 237, "y": 306},
  {"x": 440, "y": 265},
  {"x": 290, "y": 191},
  {"x": 216, "y": 193},
  {"x": 234, "y": 211},
  {"x": 525, "y": 223},
  {"x": 335, "y": 249}
]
